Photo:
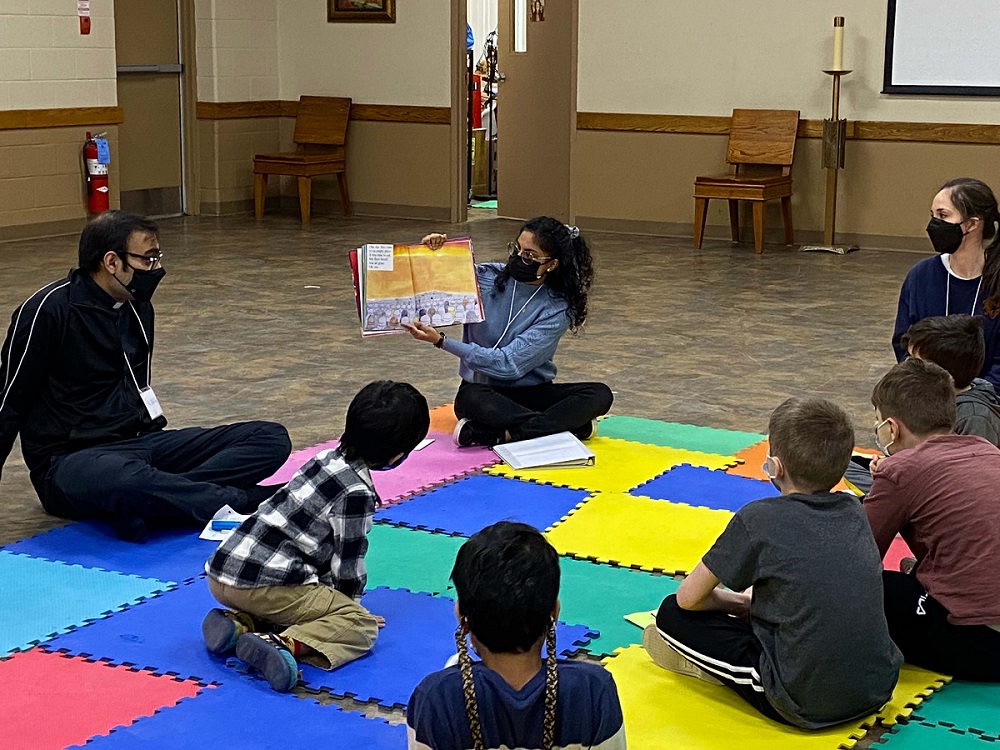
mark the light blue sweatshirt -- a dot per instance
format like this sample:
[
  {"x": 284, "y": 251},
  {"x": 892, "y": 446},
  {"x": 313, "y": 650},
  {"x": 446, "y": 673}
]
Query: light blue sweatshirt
[{"x": 524, "y": 355}]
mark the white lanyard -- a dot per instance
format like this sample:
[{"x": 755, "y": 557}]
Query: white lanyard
[
  {"x": 149, "y": 355},
  {"x": 947, "y": 294},
  {"x": 511, "y": 317}
]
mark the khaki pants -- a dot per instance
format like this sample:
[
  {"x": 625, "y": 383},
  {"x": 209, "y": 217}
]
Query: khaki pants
[{"x": 334, "y": 625}]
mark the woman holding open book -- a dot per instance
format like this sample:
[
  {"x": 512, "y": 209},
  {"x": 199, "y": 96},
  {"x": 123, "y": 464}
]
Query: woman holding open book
[{"x": 507, "y": 391}]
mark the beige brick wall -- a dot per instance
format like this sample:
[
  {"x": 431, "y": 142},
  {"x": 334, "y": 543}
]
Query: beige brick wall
[
  {"x": 41, "y": 179},
  {"x": 237, "y": 50},
  {"x": 226, "y": 153},
  {"x": 46, "y": 63}
]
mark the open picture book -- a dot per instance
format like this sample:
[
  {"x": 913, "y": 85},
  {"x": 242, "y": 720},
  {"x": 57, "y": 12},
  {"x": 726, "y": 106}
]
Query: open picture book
[
  {"x": 552, "y": 451},
  {"x": 397, "y": 284}
]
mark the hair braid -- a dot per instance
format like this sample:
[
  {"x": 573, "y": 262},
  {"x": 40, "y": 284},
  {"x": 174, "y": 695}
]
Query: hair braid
[
  {"x": 469, "y": 689},
  {"x": 551, "y": 689}
]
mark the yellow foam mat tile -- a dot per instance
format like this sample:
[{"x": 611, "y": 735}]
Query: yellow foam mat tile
[
  {"x": 663, "y": 709},
  {"x": 620, "y": 465},
  {"x": 615, "y": 527}
]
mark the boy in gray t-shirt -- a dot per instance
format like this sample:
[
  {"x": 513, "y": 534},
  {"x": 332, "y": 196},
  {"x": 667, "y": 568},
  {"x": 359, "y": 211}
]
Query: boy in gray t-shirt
[{"x": 810, "y": 646}]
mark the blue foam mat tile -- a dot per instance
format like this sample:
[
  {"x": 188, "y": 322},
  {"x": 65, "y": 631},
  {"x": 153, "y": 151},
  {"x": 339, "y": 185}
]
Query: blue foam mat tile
[
  {"x": 707, "y": 488},
  {"x": 253, "y": 716},
  {"x": 174, "y": 555},
  {"x": 418, "y": 638},
  {"x": 42, "y": 598},
  {"x": 162, "y": 635},
  {"x": 466, "y": 506}
]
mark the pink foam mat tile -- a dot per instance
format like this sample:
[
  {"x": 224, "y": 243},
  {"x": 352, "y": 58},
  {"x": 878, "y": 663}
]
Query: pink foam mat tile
[
  {"x": 439, "y": 462},
  {"x": 52, "y": 700}
]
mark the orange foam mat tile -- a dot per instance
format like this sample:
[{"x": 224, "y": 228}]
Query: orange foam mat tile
[
  {"x": 638, "y": 532},
  {"x": 619, "y": 466},
  {"x": 663, "y": 709}
]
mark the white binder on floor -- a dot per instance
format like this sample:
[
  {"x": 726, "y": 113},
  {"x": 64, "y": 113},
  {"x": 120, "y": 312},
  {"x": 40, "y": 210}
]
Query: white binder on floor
[{"x": 551, "y": 451}]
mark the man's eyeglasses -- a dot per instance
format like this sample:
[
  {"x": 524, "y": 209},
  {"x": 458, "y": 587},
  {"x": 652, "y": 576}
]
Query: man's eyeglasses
[
  {"x": 532, "y": 256},
  {"x": 147, "y": 262}
]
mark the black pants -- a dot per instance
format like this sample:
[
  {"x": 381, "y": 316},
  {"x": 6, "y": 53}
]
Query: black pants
[
  {"x": 723, "y": 646},
  {"x": 919, "y": 626},
  {"x": 532, "y": 411},
  {"x": 166, "y": 476}
]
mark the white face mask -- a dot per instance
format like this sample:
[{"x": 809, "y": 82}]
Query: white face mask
[
  {"x": 878, "y": 443},
  {"x": 765, "y": 467}
]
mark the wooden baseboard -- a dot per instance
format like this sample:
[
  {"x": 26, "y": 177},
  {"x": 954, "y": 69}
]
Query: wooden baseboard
[
  {"x": 857, "y": 130},
  {"x": 30, "y": 119},
  {"x": 289, "y": 108},
  {"x": 773, "y": 236},
  {"x": 46, "y": 229}
]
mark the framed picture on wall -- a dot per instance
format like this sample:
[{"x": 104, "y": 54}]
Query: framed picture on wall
[{"x": 367, "y": 11}]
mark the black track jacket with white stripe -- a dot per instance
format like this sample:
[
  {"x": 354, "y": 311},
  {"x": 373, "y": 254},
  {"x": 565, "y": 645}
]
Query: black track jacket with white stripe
[{"x": 63, "y": 372}]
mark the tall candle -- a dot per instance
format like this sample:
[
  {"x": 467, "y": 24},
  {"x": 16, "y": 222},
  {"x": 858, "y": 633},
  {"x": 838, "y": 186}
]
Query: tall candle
[{"x": 838, "y": 43}]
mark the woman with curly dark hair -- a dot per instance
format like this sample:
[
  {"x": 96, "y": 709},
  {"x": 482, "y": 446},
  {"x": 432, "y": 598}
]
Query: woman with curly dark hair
[{"x": 507, "y": 391}]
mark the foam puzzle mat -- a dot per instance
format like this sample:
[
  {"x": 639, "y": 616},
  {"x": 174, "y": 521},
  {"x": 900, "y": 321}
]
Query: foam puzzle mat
[
  {"x": 253, "y": 716},
  {"x": 175, "y": 555},
  {"x": 696, "y": 485},
  {"x": 676, "y": 435},
  {"x": 918, "y": 736},
  {"x": 418, "y": 638},
  {"x": 119, "y": 623},
  {"x": 53, "y": 597},
  {"x": 439, "y": 462},
  {"x": 658, "y": 704},
  {"x": 466, "y": 506},
  {"x": 88, "y": 698},
  {"x": 638, "y": 532},
  {"x": 620, "y": 465}
]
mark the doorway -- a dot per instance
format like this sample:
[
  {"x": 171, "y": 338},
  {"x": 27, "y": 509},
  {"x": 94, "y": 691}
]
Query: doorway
[
  {"x": 533, "y": 107},
  {"x": 151, "y": 144},
  {"x": 484, "y": 87}
]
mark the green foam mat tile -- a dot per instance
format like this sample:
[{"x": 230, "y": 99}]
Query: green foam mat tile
[
  {"x": 968, "y": 706},
  {"x": 919, "y": 736},
  {"x": 404, "y": 558},
  {"x": 677, "y": 435}
]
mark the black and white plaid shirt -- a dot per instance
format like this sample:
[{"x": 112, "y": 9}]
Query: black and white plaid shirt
[{"x": 312, "y": 530}]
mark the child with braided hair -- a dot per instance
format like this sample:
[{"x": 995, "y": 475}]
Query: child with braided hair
[{"x": 507, "y": 580}]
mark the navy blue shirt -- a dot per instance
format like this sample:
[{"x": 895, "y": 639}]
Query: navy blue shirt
[
  {"x": 930, "y": 289},
  {"x": 588, "y": 713}
]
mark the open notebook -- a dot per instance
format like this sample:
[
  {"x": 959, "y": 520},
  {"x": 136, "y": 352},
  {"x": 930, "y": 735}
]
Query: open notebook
[{"x": 561, "y": 449}]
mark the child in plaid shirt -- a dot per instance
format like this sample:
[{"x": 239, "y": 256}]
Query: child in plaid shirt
[{"x": 292, "y": 573}]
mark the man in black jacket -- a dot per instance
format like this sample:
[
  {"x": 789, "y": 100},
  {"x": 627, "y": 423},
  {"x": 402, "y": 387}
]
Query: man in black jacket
[{"x": 75, "y": 373}]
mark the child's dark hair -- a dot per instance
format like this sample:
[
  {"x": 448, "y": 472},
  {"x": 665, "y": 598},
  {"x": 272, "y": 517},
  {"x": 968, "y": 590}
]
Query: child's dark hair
[
  {"x": 814, "y": 440},
  {"x": 573, "y": 276},
  {"x": 384, "y": 420},
  {"x": 955, "y": 342},
  {"x": 507, "y": 580},
  {"x": 918, "y": 393},
  {"x": 110, "y": 232}
]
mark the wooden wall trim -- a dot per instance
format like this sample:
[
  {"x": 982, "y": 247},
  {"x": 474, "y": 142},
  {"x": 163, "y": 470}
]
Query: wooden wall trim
[
  {"x": 288, "y": 108},
  {"x": 29, "y": 119},
  {"x": 858, "y": 130}
]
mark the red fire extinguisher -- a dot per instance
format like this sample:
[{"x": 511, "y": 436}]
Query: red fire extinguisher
[{"x": 98, "y": 192}]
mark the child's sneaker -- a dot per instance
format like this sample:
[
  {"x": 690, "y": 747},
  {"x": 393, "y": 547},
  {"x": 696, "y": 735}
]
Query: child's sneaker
[
  {"x": 271, "y": 656},
  {"x": 221, "y": 628},
  {"x": 468, "y": 433},
  {"x": 664, "y": 656}
]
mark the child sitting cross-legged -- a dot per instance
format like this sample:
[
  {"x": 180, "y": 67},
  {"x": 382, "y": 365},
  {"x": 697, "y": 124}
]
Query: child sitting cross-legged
[
  {"x": 809, "y": 646},
  {"x": 507, "y": 580},
  {"x": 292, "y": 573}
]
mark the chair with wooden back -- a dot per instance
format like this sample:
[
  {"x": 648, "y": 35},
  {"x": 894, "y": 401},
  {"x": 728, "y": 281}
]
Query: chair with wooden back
[
  {"x": 761, "y": 148},
  {"x": 320, "y": 143}
]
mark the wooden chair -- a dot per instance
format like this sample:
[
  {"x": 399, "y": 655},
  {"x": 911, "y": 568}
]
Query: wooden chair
[
  {"x": 761, "y": 147},
  {"x": 320, "y": 141}
]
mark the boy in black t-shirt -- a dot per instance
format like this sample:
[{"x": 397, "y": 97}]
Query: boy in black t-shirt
[{"x": 810, "y": 646}]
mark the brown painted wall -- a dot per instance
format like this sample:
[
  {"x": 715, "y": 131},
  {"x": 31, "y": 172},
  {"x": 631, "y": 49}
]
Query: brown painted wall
[
  {"x": 643, "y": 182},
  {"x": 41, "y": 182}
]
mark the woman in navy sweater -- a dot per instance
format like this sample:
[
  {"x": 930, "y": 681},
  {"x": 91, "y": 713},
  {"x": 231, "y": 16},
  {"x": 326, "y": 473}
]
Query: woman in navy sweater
[{"x": 963, "y": 230}]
